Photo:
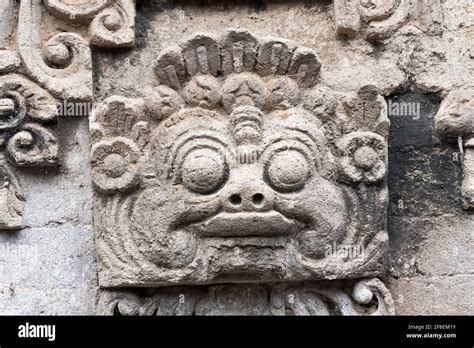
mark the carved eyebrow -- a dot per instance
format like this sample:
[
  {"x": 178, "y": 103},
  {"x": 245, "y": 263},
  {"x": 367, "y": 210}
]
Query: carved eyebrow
[
  {"x": 299, "y": 135},
  {"x": 306, "y": 139},
  {"x": 188, "y": 141}
]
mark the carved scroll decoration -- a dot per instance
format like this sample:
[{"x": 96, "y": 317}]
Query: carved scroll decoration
[{"x": 367, "y": 297}]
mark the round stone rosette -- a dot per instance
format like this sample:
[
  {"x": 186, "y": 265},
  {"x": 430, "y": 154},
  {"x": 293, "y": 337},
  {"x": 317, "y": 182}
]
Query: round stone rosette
[
  {"x": 363, "y": 158},
  {"x": 115, "y": 165}
]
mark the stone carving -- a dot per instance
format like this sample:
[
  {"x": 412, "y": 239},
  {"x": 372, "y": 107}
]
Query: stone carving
[
  {"x": 111, "y": 23},
  {"x": 455, "y": 118},
  {"x": 11, "y": 199},
  {"x": 26, "y": 110},
  {"x": 7, "y": 23},
  {"x": 365, "y": 297},
  {"x": 380, "y": 19},
  {"x": 80, "y": 12},
  {"x": 240, "y": 167},
  {"x": 9, "y": 61},
  {"x": 62, "y": 65}
]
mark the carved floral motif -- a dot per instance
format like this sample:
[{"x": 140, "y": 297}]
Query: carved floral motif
[
  {"x": 364, "y": 157},
  {"x": 115, "y": 164}
]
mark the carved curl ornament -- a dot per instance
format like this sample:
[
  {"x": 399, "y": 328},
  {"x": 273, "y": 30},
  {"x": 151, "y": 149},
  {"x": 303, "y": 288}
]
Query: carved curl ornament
[{"x": 35, "y": 78}]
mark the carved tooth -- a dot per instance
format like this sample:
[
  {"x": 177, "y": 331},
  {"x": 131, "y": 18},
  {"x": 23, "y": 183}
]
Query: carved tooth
[
  {"x": 202, "y": 55},
  {"x": 305, "y": 67},
  {"x": 170, "y": 68},
  {"x": 239, "y": 52},
  {"x": 276, "y": 56},
  {"x": 203, "y": 59},
  {"x": 238, "y": 56},
  {"x": 172, "y": 77}
]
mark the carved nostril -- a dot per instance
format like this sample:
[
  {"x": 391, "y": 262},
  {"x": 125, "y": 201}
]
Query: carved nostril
[
  {"x": 257, "y": 199},
  {"x": 235, "y": 199}
]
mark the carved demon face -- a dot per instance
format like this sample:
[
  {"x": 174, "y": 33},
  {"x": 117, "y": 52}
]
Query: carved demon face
[
  {"x": 239, "y": 169},
  {"x": 247, "y": 179}
]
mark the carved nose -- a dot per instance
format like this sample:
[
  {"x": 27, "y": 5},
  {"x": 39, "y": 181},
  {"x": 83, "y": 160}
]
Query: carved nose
[{"x": 251, "y": 199}]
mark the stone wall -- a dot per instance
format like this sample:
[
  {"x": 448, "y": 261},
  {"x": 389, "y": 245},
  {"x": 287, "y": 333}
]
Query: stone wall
[{"x": 62, "y": 244}]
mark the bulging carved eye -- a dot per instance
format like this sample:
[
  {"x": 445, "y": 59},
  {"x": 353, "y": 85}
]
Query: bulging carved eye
[
  {"x": 203, "y": 171},
  {"x": 287, "y": 170}
]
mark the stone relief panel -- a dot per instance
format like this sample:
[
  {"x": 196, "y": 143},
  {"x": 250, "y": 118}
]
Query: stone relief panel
[
  {"x": 455, "y": 119},
  {"x": 35, "y": 75},
  {"x": 240, "y": 167},
  {"x": 62, "y": 65},
  {"x": 26, "y": 113},
  {"x": 365, "y": 297},
  {"x": 380, "y": 19}
]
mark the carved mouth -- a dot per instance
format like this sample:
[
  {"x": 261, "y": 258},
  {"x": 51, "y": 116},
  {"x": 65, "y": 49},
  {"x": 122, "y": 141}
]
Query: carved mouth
[{"x": 269, "y": 224}]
